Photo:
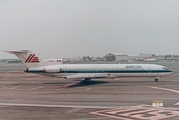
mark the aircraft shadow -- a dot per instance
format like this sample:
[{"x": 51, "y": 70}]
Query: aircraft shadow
[{"x": 87, "y": 83}]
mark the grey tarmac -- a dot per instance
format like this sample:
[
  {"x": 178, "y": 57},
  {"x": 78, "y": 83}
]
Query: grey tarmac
[{"x": 30, "y": 96}]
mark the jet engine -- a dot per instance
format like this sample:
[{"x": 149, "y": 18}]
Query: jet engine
[{"x": 52, "y": 70}]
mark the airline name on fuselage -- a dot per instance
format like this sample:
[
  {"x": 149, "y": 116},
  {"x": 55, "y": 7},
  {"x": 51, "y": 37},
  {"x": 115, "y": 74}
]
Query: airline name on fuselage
[{"x": 133, "y": 66}]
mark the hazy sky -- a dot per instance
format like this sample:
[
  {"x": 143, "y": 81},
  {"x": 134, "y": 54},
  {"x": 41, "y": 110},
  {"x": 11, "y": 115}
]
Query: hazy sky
[{"x": 66, "y": 28}]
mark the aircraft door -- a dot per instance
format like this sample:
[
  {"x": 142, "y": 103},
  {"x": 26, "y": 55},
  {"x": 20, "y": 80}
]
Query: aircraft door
[
  {"x": 149, "y": 69},
  {"x": 65, "y": 70}
]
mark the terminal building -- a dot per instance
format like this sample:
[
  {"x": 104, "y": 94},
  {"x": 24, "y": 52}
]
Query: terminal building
[{"x": 120, "y": 57}]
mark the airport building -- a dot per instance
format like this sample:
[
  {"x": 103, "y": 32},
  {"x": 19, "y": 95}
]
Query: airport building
[
  {"x": 120, "y": 57},
  {"x": 132, "y": 58},
  {"x": 143, "y": 55}
]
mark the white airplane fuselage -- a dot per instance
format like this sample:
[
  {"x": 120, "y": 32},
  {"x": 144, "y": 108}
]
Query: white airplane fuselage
[{"x": 102, "y": 70}]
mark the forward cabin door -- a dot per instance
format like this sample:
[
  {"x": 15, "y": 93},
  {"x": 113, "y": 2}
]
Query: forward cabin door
[{"x": 149, "y": 70}]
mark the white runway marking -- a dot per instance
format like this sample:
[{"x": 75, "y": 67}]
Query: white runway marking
[
  {"x": 5, "y": 87},
  {"x": 37, "y": 88},
  {"x": 88, "y": 89},
  {"x": 65, "y": 86},
  {"x": 166, "y": 89},
  {"x": 177, "y": 103},
  {"x": 13, "y": 88},
  {"x": 142, "y": 112},
  {"x": 55, "y": 106},
  {"x": 60, "y": 89}
]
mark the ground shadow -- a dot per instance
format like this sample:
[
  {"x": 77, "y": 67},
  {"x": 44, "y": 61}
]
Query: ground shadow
[{"x": 87, "y": 83}]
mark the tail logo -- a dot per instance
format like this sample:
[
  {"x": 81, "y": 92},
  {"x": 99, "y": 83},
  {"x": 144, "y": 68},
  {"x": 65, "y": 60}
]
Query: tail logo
[{"x": 32, "y": 59}]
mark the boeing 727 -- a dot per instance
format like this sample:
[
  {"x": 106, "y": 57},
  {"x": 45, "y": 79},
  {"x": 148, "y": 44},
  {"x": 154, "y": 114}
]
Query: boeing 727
[{"x": 55, "y": 68}]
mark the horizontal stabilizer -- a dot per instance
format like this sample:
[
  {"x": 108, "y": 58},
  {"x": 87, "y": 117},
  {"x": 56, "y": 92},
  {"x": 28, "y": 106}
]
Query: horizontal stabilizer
[{"x": 15, "y": 51}]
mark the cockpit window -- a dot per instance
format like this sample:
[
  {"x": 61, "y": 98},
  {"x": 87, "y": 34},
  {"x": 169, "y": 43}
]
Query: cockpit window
[{"x": 165, "y": 68}]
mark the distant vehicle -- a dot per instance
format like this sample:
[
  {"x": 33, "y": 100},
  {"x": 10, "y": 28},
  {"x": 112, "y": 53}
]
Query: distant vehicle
[{"x": 55, "y": 68}]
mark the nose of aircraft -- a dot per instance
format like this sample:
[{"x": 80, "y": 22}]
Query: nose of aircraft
[
  {"x": 166, "y": 69},
  {"x": 170, "y": 71}
]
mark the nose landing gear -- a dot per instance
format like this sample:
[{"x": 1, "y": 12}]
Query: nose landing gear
[{"x": 156, "y": 79}]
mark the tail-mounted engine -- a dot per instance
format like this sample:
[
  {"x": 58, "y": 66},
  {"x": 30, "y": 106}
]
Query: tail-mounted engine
[
  {"x": 44, "y": 70},
  {"x": 51, "y": 70}
]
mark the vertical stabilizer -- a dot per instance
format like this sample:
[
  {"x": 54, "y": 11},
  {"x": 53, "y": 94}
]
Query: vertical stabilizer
[{"x": 27, "y": 57}]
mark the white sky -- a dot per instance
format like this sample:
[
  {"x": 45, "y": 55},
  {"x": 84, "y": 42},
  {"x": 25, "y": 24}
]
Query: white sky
[{"x": 66, "y": 28}]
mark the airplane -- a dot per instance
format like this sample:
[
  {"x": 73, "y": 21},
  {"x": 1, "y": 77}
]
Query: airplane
[{"x": 56, "y": 68}]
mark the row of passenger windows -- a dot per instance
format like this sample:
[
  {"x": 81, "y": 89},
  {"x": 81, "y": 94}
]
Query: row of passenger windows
[{"x": 102, "y": 69}]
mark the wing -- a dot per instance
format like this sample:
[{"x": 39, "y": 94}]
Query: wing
[{"x": 88, "y": 75}]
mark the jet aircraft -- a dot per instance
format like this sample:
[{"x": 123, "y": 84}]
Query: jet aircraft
[{"x": 55, "y": 68}]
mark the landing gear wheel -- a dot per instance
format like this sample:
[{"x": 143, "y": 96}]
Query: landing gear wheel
[
  {"x": 156, "y": 79},
  {"x": 86, "y": 79}
]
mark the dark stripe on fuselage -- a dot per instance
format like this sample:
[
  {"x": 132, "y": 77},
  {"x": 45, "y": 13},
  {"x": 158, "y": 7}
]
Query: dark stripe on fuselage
[{"x": 105, "y": 71}]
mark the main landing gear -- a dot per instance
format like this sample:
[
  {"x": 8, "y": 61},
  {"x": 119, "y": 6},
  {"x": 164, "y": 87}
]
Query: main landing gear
[
  {"x": 156, "y": 79},
  {"x": 86, "y": 79}
]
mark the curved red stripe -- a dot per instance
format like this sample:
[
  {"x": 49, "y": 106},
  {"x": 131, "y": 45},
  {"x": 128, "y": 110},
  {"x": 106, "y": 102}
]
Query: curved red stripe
[
  {"x": 28, "y": 58},
  {"x": 34, "y": 61},
  {"x": 31, "y": 58}
]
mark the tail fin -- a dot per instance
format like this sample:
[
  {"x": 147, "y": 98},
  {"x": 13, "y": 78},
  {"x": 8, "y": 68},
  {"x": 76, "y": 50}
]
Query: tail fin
[{"x": 27, "y": 57}]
